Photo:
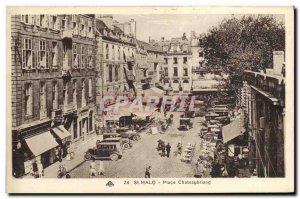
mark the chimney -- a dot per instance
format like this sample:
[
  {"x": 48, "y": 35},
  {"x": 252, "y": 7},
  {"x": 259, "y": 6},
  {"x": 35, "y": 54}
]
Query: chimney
[
  {"x": 162, "y": 39},
  {"x": 278, "y": 61},
  {"x": 149, "y": 39}
]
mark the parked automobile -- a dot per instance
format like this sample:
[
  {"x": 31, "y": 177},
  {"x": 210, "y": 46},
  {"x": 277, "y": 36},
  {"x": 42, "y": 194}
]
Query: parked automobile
[
  {"x": 125, "y": 143},
  {"x": 104, "y": 150},
  {"x": 185, "y": 124},
  {"x": 211, "y": 116},
  {"x": 127, "y": 133},
  {"x": 223, "y": 120}
]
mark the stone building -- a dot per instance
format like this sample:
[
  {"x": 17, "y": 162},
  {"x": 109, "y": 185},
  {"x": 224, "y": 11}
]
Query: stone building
[
  {"x": 266, "y": 115},
  {"x": 177, "y": 63},
  {"x": 116, "y": 53},
  {"x": 149, "y": 64},
  {"x": 53, "y": 78}
]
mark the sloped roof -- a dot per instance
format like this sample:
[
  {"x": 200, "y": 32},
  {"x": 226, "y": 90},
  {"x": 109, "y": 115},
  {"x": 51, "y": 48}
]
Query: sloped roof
[
  {"x": 118, "y": 30},
  {"x": 148, "y": 47},
  {"x": 100, "y": 25}
]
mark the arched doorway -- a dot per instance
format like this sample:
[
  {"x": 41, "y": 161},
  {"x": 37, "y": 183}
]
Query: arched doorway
[
  {"x": 186, "y": 86},
  {"x": 176, "y": 85}
]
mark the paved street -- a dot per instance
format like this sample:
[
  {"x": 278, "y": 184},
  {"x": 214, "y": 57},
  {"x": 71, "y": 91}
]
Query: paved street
[{"x": 143, "y": 152}]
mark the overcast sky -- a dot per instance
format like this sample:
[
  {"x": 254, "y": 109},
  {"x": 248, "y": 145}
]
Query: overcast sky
[{"x": 168, "y": 26}]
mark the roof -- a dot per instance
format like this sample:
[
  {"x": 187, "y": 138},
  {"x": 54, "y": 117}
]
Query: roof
[
  {"x": 118, "y": 30},
  {"x": 100, "y": 25},
  {"x": 148, "y": 47}
]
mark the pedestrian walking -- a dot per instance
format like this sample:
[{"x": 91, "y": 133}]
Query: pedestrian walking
[
  {"x": 59, "y": 154},
  {"x": 40, "y": 169},
  {"x": 68, "y": 175},
  {"x": 163, "y": 150},
  {"x": 168, "y": 148},
  {"x": 101, "y": 168},
  {"x": 147, "y": 173},
  {"x": 93, "y": 168},
  {"x": 35, "y": 169},
  {"x": 179, "y": 148}
]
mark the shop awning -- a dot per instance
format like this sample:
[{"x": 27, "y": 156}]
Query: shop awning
[
  {"x": 151, "y": 92},
  {"x": 274, "y": 100},
  {"x": 41, "y": 143},
  {"x": 155, "y": 89},
  {"x": 232, "y": 130},
  {"x": 61, "y": 132}
]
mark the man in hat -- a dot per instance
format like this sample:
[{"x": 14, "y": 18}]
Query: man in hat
[{"x": 168, "y": 149}]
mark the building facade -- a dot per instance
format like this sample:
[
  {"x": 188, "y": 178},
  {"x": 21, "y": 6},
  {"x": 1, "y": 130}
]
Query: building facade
[
  {"x": 53, "y": 78},
  {"x": 115, "y": 50},
  {"x": 149, "y": 64},
  {"x": 266, "y": 116},
  {"x": 177, "y": 67}
]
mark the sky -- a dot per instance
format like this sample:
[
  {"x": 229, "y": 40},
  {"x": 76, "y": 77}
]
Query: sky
[{"x": 170, "y": 25}]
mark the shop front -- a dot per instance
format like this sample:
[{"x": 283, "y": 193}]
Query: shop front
[
  {"x": 41, "y": 148},
  {"x": 63, "y": 137}
]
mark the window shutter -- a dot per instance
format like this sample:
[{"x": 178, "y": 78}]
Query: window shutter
[
  {"x": 87, "y": 91},
  {"x": 38, "y": 66},
  {"x": 33, "y": 56},
  {"x": 58, "y": 21},
  {"x": 48, "y": 99},
  {"x": 23, "y": 59},
  {"x": 33, "y": 19},
  {"x": 60, "y": 92},
  {"x": 46, "y": 21},
  {"x": 38, "y": 20},
  {"x": 51, "y": 22},
  {"x": 47, "y": 60}
]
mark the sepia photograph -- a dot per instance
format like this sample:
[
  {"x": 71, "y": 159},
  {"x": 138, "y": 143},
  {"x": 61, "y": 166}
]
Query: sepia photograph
[{"x": 149, "y": 98}]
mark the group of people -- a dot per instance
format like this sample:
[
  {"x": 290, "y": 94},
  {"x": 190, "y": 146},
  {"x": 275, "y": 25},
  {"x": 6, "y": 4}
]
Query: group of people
[
  {"x": 93, "y": 171},
  {"x": 165, "y": 149},
  {"x": 37, "y": 169}
]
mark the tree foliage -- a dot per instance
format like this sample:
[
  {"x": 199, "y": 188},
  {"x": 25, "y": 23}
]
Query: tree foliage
[{"x": 244, "y": 43}]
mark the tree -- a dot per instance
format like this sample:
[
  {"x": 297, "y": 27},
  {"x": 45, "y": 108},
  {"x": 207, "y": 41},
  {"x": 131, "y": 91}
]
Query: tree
[{"x": 240, "y": 44}]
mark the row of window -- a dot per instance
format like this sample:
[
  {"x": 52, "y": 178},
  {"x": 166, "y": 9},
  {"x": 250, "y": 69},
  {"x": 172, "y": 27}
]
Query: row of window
[
  {"x": 46, "y": 56},
  {"x": 114, "y": 72},
  {"x": 116, "y": 52},
  {"x": 176, "y": 48},
  {"x": 42, "y": 58},
  {"x": 79, "y": 25},
  {"x": 175, "y": 72},
  {"x": 82, "y": 56},
  {"x": 175, "y": 60},
  {"x": 66, "y": 89}
]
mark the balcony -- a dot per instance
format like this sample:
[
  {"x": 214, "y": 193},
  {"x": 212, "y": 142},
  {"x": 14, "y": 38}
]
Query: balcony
[
  {"x": 271, "y": 86},
  {"x": 66, "y": 74},
  {"x": 68, "y": 108},
  {"x": 67, "y": 34}
]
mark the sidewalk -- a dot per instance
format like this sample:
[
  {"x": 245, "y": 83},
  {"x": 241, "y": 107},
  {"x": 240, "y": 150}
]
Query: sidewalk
[{"x": 80, "y": 149}]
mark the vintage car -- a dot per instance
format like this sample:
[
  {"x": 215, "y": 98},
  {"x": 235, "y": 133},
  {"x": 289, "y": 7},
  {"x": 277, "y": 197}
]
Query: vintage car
[
  {"x": 127, "y": 133},
  {"x": 104, "y": 150},
  {"x": 211, "y": 116},
  {"x": 185, "y": 124},
  {"x": 124, "y": 142},
  {"x": 223, "y": 120}
]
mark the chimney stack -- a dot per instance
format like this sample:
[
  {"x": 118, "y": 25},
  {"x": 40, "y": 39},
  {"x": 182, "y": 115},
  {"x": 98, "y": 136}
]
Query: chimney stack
[
  {"x": 162, "y": 39},
  {"x": 278, "y": 62}
]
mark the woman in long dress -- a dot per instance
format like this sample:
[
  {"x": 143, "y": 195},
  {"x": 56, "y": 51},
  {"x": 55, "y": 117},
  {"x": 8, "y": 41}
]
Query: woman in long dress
[{"x": 101, "y": 168}]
